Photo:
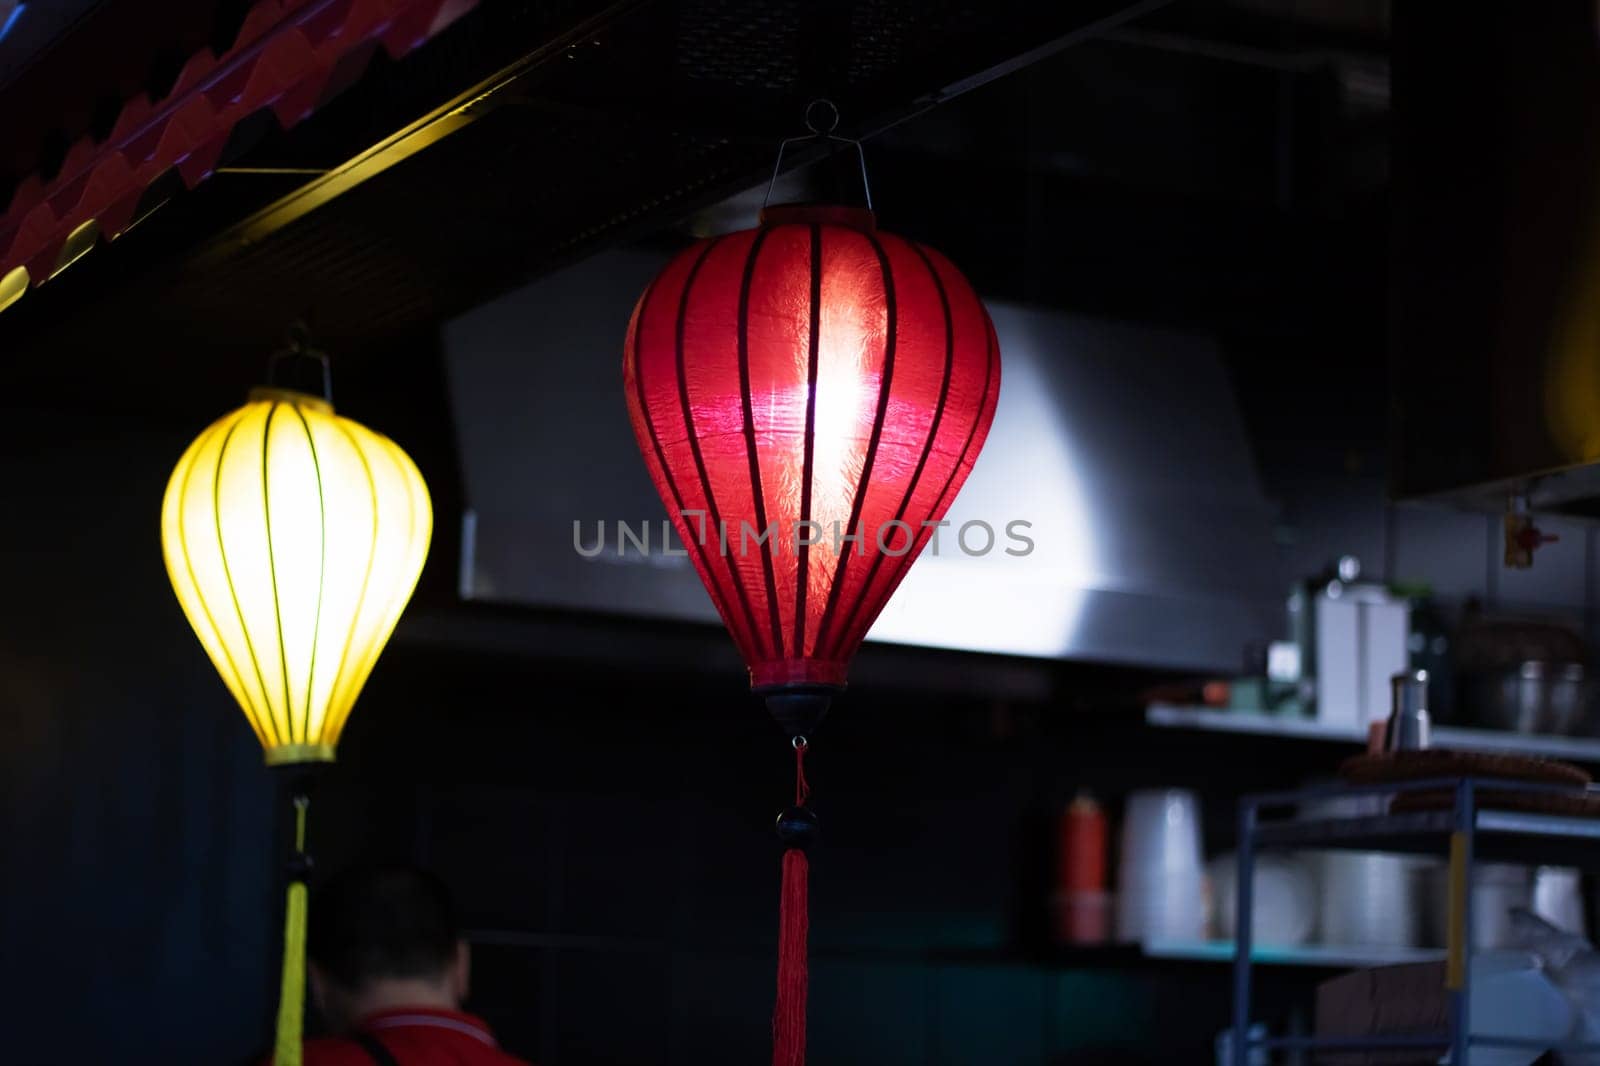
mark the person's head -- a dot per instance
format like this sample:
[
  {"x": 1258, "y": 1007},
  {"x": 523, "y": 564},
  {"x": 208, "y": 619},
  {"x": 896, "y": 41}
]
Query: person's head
[{"x": 381, "y": 938}]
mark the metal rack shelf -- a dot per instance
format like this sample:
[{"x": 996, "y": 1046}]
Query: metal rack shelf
[
  {"x": 1463, "y": 831},
  {"x": 1324, "y": 956},
  {"x": 1503, "y": 836},
  {"x": 1420, "y": 1042},
  {"x": 1210, "y": 719}
]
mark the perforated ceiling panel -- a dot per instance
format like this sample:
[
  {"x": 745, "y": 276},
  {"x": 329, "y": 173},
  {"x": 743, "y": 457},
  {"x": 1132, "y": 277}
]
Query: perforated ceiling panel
[
  {"x": 721, "y": 42},
  {"x": 626, "y": 117}
]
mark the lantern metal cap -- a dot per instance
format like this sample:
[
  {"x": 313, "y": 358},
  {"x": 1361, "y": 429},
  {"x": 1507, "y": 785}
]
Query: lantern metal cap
[
  {"x": 294, "y": 396},
  {"x": 857, "y": 218}
]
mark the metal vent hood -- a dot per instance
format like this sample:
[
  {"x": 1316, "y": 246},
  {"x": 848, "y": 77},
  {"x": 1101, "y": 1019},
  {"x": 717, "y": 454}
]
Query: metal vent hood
[
  {"x": 1120, "y": 444},
  {"x": 1496, "y": 278}
]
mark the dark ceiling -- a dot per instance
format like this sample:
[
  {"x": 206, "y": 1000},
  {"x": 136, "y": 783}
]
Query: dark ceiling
[{"x": 1059, "y": 151}]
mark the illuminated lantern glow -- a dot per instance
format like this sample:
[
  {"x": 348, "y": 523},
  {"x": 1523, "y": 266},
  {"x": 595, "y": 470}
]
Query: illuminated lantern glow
[
  {"x": 809, "y": 397},
  {"x": 294, "y": 538},
  {"x": 811, "y": 379}
]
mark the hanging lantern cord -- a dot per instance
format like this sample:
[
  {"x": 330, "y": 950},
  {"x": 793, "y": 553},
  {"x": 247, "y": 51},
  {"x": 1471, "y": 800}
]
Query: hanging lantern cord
[
  {"x": 297, "y": 353},
  {"x": 797, "y": 828},
  {"x": 300, "y": 861},
  {"x": 292, "y": 993},
  {"x": 802, "y": 788},
  {"x": 822, "y": 118}
]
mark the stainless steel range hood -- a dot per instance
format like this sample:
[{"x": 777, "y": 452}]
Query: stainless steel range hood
[{"x": 1119, "y": 444}]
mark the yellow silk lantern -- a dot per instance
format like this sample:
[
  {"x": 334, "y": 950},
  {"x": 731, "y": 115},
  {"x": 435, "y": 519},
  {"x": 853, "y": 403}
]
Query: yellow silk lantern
[{"x": 294, "y": 539}]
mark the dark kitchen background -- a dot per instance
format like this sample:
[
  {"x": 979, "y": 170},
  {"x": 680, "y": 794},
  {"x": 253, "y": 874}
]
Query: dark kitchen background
[{"x": 1296, "y": 213}]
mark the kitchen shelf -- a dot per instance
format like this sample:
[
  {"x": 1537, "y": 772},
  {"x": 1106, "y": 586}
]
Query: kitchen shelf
[
  {"x": 1210, "y": 719},
  {"x": 1465, "y": 831},
  {"x": 1327, "y": 956}
]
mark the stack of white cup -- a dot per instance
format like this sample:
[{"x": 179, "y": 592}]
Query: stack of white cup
[{"x": 1161, "y": 892}]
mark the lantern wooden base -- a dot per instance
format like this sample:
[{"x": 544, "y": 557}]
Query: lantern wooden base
[
  {"x": 799, "y": 709},
  {"x": 295, "y": 754}
]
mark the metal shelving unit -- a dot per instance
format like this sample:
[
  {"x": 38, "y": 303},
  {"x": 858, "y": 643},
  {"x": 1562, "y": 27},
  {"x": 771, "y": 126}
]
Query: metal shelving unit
[
  {"x": 1463, "y": 831},
  {"x": 1211, "y": 719},
  {"x": 1318, "y": 956}
]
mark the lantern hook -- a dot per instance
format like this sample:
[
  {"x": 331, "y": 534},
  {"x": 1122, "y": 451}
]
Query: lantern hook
[
  {"x": 819, "y": 105},
  {"x": 298, "y": 336},
  {"x": 821, "y": 127}
]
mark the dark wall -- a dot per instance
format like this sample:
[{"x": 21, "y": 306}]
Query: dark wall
[
  {"x": 134, "y": 813},
  {"x": 1495, "y": 249}
]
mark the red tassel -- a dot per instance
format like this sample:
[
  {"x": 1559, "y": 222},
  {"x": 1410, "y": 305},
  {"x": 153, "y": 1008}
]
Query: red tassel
[
  {"x": 795, "y": 826},
  {"x": 789, "y": 1016}
]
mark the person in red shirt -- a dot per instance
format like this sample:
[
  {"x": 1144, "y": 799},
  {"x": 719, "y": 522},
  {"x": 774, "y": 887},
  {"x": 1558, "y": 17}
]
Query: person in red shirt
[{"x": 389, "y": 974}]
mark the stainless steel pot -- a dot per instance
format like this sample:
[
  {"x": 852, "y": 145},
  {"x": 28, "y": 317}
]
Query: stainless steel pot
[{"x": 1531, "y": 697}]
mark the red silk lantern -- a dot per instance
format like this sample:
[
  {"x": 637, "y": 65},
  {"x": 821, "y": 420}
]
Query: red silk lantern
[
  {"x": 809, "y": 397},
  {"x": 795, "y": 385}
]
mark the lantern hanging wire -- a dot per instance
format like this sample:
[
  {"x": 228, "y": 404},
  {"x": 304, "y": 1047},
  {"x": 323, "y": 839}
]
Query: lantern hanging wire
[
  {"x": 293, "y": 356},
  {"x": 822, "y": 118}
]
